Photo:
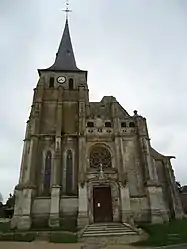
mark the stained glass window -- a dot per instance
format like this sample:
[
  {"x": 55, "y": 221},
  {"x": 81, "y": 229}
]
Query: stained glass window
[{"x": 47, "y": 173}]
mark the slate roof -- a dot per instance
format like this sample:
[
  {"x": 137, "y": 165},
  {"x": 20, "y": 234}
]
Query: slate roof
[
  {"x": 65, "y": 58},
  {"x": 158, "y": 155}
]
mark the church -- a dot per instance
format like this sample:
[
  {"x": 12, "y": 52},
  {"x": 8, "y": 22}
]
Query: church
[{"x": 91, "y": 162}]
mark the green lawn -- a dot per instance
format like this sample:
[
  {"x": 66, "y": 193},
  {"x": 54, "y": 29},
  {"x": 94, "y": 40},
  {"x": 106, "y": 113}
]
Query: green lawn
[{"x": 171, "y": 233}]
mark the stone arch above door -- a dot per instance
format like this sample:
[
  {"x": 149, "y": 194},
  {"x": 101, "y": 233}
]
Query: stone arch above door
[{"x": 115, "y": 196}]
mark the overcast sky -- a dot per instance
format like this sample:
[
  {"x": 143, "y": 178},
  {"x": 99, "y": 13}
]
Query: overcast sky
[{"x": 134, "y": 50}]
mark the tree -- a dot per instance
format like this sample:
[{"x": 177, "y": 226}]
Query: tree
[
  {"x": 1, "y": 198},
  {"x": 179, "y": 186},
  {"x": 11, "y": 201},
  {"x": 1, "y": 206}
]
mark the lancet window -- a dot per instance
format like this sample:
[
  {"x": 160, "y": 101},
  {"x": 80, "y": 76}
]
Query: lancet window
[
  {"x": 69, "y": 172},
  {"x": 47, "y": 173}
]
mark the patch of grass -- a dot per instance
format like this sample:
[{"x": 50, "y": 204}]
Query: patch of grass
[
  {"x": 170, "y": 233},
  {"x": 17, "y": 237},
  {"x": 63, "y": 238}
]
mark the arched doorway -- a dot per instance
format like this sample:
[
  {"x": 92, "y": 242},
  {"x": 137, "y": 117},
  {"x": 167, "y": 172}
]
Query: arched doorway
[{"x": 102, "y": 204}]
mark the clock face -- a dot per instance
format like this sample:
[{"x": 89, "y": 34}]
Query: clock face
[{"x": 61, "y": 79}]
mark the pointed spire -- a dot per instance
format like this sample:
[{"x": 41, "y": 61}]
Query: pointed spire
[{"x": 65, "y": 59}]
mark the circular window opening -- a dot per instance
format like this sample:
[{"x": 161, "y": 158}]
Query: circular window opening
[{"x": 100, "y": 155}]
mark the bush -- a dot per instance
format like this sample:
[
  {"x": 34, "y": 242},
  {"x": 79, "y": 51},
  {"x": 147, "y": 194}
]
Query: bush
[
  {"x": 24, "y": 237},
  {"x": 4, "y": 227},
  {"x": 63, "y": 238},
  {"x": 7, "y": 237},
  {"x": 17, "y": 237}
]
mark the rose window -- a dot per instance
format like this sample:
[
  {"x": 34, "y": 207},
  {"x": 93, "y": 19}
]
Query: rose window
[{"x": 100, "y": 155}]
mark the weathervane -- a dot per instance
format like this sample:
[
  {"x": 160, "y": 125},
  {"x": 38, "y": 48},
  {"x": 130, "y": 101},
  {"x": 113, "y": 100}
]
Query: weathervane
[{"x": 67, "y": 10}]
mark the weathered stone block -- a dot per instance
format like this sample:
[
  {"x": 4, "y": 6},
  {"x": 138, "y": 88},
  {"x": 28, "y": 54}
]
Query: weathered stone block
[{"x": 24, "y": 223}]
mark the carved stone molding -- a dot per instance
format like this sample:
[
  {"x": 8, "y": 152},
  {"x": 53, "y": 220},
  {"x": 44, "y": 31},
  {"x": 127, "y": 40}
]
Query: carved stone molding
[
  {"x": 82, "y": 179},
  {"x": 123, "y": 179},
  {"x": 55, "y": 186},
  {"x": 25, "y": 186}
]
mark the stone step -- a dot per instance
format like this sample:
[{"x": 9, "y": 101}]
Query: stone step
[
  {"x": 107, "y": 227},
  {"x": 107, "y": 234},
  {"x": 110, "y": 233},
  {"x": 106, "y": 224},
  {"x": 108, "y": 230}
]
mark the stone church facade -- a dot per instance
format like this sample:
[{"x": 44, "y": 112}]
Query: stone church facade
[{"x": 88, "y": 161}]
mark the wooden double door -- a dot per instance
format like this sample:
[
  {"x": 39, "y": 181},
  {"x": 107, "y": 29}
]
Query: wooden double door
[{"x": 102, "y": 204}]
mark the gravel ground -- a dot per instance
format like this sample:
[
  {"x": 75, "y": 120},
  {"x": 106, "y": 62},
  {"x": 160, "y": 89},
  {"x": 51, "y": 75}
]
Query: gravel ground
[{"x": 45, "y": 245}]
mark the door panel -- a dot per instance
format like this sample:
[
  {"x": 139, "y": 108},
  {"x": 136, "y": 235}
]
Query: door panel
[{"x": 102, "y": 204}]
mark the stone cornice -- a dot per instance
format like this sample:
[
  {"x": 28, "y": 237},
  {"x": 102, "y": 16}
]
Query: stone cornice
[{"x": 22, "y": 186}]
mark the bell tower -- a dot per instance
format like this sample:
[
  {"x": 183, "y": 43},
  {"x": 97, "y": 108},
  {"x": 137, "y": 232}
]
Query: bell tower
[{"x": 54, "y": 137}]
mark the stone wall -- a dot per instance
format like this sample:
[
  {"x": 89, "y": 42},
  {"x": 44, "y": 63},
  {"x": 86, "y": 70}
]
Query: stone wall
[
  {"x": 69, "y": 206},
  {"x": 183, "y": 197},
  {"x": 133, "y": 167},
  {"x": 40, "y": 212},
  {"x": 140, "y": 209},
  {"x": 41, "y": 209}
]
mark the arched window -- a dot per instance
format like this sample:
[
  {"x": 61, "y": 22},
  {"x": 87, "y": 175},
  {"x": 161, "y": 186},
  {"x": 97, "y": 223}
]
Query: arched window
[
  {"x": 69, "y": 172},
  {"x": 70, "y": 84},
  {"x": 51, "y": 82},
  {"x": 47, "y": 173},
  {"x": 100, "y": 155}
]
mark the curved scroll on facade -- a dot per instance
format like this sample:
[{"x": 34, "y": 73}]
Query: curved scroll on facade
[
  {"x": 47, "y": 174},
  {"x": 100, "y": 155},
  {"x": 69, "y": 173}
]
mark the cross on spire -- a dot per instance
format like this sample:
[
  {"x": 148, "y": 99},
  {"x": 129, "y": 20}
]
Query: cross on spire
[{"x": 67, "y": 10}]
